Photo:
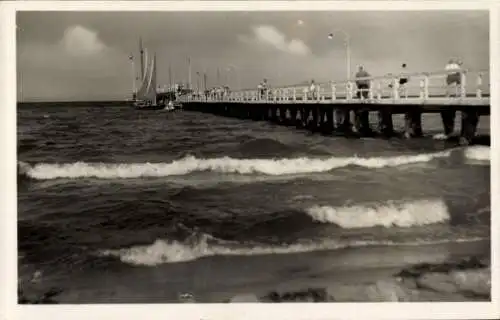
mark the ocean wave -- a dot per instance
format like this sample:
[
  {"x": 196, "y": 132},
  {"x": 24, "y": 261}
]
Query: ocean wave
[
  {"x": 165, "y": 251},
  {"x": 400, "y": 214},
  {"x": 480, "y": 153},
  {"x": 274, "y": 167}
]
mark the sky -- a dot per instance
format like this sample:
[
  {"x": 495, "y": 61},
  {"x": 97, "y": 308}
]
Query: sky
[{"x": 85, "y": 55}]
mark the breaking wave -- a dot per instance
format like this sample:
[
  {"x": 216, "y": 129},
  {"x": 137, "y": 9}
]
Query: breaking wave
[
  {"x": 480, "y": 153},
  {"x": 399, "y": 214},
  {"x": 406, "y": 214},
  {"x": 46, "y": 171},
  {"x": 165, "y": 251}
]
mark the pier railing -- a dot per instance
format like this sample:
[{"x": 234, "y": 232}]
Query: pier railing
[{"x": 420, "y": 87}]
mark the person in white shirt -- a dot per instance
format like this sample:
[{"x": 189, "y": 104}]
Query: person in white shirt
[
  {"x": 403, "y": 90},
  {"x": 313, "y": 89},
  {"x": 265, "y": 89},
  {"x": 260, "y": 90},
  {"x": 453, "y": 79}
]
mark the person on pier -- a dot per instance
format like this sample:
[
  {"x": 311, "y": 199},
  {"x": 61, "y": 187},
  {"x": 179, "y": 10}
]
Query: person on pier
[
  {"x": 313, "y": 89},
  {"x": 265, "y": 89},
  {"x": 260, "y": 91},
  {"x": 453, "y": 79},
  {"x": 403, "y": 89},
  {"x": 363, "y": 85}
]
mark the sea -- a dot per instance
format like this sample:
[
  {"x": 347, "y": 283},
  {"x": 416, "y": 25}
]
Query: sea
[{"x": 117, "y": 205}]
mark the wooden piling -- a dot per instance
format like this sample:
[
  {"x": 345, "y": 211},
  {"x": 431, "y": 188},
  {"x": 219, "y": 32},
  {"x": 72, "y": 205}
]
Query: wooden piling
[
  {"x": 413, "y": 124},
  {"x": 470, "y": 119},
  {"x": 448, "y": 118},
  {"x": 343, "y": 120},
  {"x": 385, "y": 123},
  {"x": 361, "y": 122}
]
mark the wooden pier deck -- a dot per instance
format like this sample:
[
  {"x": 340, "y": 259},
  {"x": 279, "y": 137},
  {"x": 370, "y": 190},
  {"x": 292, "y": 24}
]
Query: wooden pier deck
[{"x": 339, "y": 106}]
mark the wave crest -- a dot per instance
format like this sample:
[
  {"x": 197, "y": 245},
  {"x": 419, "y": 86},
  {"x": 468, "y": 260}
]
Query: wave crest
[
  {"x": 400, "y": 214},
  {"x": 481, "y": 153},
  {"x": 274, "y": 167},
  {"x": 164, "y": 251}
]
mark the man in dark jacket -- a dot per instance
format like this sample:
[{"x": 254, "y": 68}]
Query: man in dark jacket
[{"x": 362, "y": 84}]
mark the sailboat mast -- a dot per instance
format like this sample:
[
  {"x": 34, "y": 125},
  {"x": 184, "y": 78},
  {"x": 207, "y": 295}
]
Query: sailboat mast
[
  {"x": 134, "y": 90},
  {"x": 189, "y": 72},
  {"x": 170, "y": 76},
  {"x": 153, "y": 75},
  {"x": 141, "y": 50}
]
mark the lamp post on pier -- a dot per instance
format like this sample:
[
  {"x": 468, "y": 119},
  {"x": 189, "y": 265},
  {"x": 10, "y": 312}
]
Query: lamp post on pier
[
  {"x": 198, "y": 82},
  {"x": 236, "y": 72},
  {"x": 347, "y": 39}
]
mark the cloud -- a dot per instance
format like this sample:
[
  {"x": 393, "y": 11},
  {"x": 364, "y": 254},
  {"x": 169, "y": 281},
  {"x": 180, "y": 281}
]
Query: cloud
[
  {"x": 78, "y": 61},
  {"x": 269, "y": 35},
  {"x": 79, "y": 41}
]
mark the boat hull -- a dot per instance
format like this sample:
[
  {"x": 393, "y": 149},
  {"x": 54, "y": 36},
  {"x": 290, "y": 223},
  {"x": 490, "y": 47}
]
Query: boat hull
[
  {"x": 161, "y": 106},
  {"x": 150, "y": 107}
]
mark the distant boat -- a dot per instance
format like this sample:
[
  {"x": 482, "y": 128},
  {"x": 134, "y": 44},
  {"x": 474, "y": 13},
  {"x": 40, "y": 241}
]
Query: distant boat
[{"x": 146, "y": 97}]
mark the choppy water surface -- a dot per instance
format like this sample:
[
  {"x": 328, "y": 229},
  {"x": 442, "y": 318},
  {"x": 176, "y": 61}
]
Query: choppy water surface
[{"x": 136, "y": 202}]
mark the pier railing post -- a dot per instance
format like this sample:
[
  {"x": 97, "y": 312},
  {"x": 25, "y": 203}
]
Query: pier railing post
[
  {"x": 479, "y": 83},
  {"x": 426, "y": 87},
  {"x": 422, "y": 89},
  {"x": 294, "y": 94},
  {"x": 318, "y": 93},
  {"x": 463, "y": 85},
  {"x": 379, "y": 90},
  {"x": 304, "y": 94},
  {"x": 348, "y": 91},
  {"x": 334, "y": 93},
  {"x": 370, "y": 92},
  {"x": 395, "y": 89}
]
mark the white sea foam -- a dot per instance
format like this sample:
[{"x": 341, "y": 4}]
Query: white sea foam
[
  {"x": 480, "y": 153},
  {"x": 400, "y": 214},
  {"x": 164, "y": 251},
  {"x": 440, "y": 136},
  {"x": 44, "y": 171}
]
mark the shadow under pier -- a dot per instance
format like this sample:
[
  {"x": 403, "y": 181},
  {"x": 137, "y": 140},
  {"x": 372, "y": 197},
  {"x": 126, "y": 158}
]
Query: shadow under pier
[{"x": 349, "y": 119}]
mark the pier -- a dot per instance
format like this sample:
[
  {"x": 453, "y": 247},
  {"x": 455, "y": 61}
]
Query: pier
[{"x": 339, "y": 107}]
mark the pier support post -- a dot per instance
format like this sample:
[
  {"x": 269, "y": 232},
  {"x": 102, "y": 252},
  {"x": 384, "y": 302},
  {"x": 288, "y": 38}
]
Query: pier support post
[
  {"x": 281, "y": 118},
  {"x": 361, "y": 122},
  {"x": 413, "y": 124},
  {"x": 385, "y": 124},
  {"x": 313, "y": 124},
  {"x": 300, "y": 118},
  {"x": 470, "y": 119},
  {"x": 448, "y": 118},
  {"x": 326, "y": 123},
  {"x": 343, "y": 120}
]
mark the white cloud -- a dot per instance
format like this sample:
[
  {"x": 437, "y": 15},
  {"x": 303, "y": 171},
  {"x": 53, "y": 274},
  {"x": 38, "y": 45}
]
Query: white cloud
[
  {"x": 269, "y": 35},
  {"x": 78, "y": 62},
  {"x": 79, "y": 41}
]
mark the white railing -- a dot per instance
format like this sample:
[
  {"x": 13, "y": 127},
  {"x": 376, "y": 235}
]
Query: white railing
[{"x": 420, "y": 86}]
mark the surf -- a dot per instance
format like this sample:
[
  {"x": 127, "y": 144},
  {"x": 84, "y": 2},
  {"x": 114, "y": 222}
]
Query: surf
[
  {"x": 163, "y": 251},
  {"x": 189, "y": 164},
  {"x": 390, "y": 214}
]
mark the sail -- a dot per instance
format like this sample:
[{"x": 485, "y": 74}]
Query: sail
[
  {"x": 151, "y": 88},
  {"x": 142, "y": 92},
  {"x": 147, "y": 90}
]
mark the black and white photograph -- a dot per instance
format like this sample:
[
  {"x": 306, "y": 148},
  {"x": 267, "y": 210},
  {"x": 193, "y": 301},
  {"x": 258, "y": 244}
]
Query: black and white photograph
[{"x": 252, "y": 155}]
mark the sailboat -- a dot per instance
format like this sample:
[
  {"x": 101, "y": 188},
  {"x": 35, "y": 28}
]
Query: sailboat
[{"x": 146, "y": 97}]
